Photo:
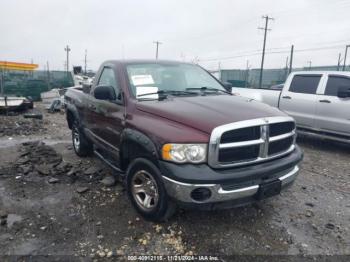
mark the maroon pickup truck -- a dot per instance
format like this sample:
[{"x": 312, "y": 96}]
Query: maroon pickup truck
[{"x": 178, "y": 137}]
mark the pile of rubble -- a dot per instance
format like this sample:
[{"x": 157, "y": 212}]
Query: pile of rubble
[
  {"x": 18, "y": 125},
  {"x": 37, "y": 158}
]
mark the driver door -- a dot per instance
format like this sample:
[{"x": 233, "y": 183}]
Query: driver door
[{"x": 107, "y": 116}]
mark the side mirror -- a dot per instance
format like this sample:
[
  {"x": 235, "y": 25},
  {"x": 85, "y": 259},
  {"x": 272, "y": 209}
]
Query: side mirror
[
  {"x": 228, "y": 86},
  {"x": 105, "y": 93},
  {"x": 344, "y": 92},
  {"x": 86, "y": 88}
]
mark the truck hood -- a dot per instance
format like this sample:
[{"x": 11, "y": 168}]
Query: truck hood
[{"x": 204, "y": 113}]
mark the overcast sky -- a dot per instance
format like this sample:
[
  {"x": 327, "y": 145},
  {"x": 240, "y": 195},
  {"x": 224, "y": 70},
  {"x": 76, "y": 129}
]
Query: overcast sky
[{"x": 210, "y": 31}]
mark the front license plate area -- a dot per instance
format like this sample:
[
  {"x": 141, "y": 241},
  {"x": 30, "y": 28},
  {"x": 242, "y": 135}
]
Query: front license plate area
[{"x": 269, "y": 189}]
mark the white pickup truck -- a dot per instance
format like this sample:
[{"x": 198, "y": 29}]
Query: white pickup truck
[{"x": 318, "y": 101}]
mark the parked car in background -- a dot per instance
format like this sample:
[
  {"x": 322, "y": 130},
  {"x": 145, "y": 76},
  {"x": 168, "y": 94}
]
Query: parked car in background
[
  {"x": 15, "y": 103},
  {"x": 53, "y": 99},
  {"x": 177, "y": 137},
  {"x": 318, "y": 101}
]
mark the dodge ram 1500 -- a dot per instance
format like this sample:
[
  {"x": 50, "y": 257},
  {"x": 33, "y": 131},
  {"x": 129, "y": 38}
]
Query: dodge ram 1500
[{"x": 177, "y": 137}]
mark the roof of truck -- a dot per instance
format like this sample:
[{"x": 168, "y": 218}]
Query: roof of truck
[{"x": 347, "y": 73}]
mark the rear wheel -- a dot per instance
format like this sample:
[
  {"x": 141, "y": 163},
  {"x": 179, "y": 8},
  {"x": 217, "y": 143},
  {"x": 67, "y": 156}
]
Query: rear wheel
[
  {"x": 147, "y": 192},
  {"x": 81, "y": 145}
]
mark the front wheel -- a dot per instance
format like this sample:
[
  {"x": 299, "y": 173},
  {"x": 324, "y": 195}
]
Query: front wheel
[
  {"x": 147, "y": 192},
  {"x": 81, "y": 145}
]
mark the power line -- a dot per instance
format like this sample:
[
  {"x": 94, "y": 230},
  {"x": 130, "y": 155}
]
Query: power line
[
  {"x": 254, "y": 53},
  {"x": 258, "y": 51},
  {"x": 309, "y": 49}
]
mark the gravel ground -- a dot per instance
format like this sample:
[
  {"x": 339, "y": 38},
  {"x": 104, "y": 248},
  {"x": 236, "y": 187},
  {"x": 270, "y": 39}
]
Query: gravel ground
[{"x": 55, "y": 203}]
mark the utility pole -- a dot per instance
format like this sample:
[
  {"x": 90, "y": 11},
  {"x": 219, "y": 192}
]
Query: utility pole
[
  {"x": 246, "y": 74},
  {"x": 157, "y": 46},
  {"x": 48, "y": 75},
  {"x": 339, "y": 61},
  {"x": 31, "y": 72},
  {"x": 267, "y": 18},
  {"x": 67, "y": 49},
  {"x": 286, "y": 69},
  {"x": 291, "y": 59},
  {"x": 346, "y": 53},
  {"x": 85, "y": 61},
  {"x": 2, "y": 82},
  {"x": 310, "y": 63}
]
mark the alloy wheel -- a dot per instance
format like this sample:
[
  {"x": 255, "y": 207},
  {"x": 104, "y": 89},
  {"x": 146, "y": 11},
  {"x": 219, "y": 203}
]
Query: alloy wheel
[{"x": 145, "y": 190}]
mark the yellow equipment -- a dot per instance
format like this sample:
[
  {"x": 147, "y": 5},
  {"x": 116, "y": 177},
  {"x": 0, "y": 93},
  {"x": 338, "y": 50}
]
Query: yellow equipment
[{"x": 5, "y": 65}]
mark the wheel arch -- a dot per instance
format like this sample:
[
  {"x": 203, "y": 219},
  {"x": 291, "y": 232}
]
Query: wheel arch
[
  {"x": 135, "y": 144},
  {"x": 71, "y": 115}
]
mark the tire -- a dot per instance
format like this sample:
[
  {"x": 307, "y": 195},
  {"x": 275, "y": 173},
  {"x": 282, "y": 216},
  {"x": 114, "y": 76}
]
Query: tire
[
  {"x": 143, "y": 175},
  {"x": 81, "y": 145}
]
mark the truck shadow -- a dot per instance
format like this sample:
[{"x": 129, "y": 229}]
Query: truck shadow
[{"x": 323, "y": 144}]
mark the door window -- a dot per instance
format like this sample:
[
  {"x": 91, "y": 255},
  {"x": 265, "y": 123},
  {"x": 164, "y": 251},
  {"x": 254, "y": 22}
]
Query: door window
[
  {"x": 305, "y": 84},
  {"x": 108, "y": 78},
  {"x": 334, "y": 83}
]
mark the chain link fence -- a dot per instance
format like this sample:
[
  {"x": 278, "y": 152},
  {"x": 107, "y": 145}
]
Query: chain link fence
[
  {"x": 33, "y": 83},
  {"x": 250, "y": 78}
]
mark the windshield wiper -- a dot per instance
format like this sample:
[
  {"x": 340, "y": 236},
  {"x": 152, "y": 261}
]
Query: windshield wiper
[
  {"x": 204, "y": 89},
  {"x": 165, "y": 93}
]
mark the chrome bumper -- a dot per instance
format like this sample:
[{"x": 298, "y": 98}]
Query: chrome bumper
[{"x": 182, "y": 191}]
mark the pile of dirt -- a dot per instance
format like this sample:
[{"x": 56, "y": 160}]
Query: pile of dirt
[
  {"x": 38, "y": 159},
  {"x": 18, "y": 125}
]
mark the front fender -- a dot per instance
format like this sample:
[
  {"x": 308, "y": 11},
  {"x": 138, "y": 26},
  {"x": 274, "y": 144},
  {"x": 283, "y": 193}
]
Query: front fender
[
  {"x": 133, "y": 140},
  {"x": 72, "y": 114}
]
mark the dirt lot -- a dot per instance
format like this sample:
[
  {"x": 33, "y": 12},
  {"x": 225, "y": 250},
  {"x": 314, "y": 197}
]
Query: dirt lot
[{"x": 54, "y": 203}]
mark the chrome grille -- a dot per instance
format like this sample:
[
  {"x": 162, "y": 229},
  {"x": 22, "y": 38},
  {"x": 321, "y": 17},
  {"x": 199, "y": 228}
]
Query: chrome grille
[{"x": 251, "y": 141}]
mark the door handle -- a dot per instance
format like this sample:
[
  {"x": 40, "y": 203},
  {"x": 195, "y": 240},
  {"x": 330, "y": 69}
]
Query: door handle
[
  {"x": 286, "y": 97},
  {"x": 325, "y": 101}
]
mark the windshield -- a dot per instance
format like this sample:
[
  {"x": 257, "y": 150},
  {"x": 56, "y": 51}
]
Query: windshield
[{"x": 153, "y": 78}]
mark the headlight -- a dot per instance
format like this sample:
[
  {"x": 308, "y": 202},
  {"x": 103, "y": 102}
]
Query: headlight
[{"x": 185, "y": 153}]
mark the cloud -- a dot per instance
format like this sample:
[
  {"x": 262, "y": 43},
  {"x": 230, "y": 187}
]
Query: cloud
[{"x": 205, "y": 29}]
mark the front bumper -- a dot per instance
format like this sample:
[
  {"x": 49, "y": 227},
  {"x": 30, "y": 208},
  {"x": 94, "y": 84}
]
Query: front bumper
[
  {"x": 229, "y": 185},
  {"x": 182, "y": 191}
]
